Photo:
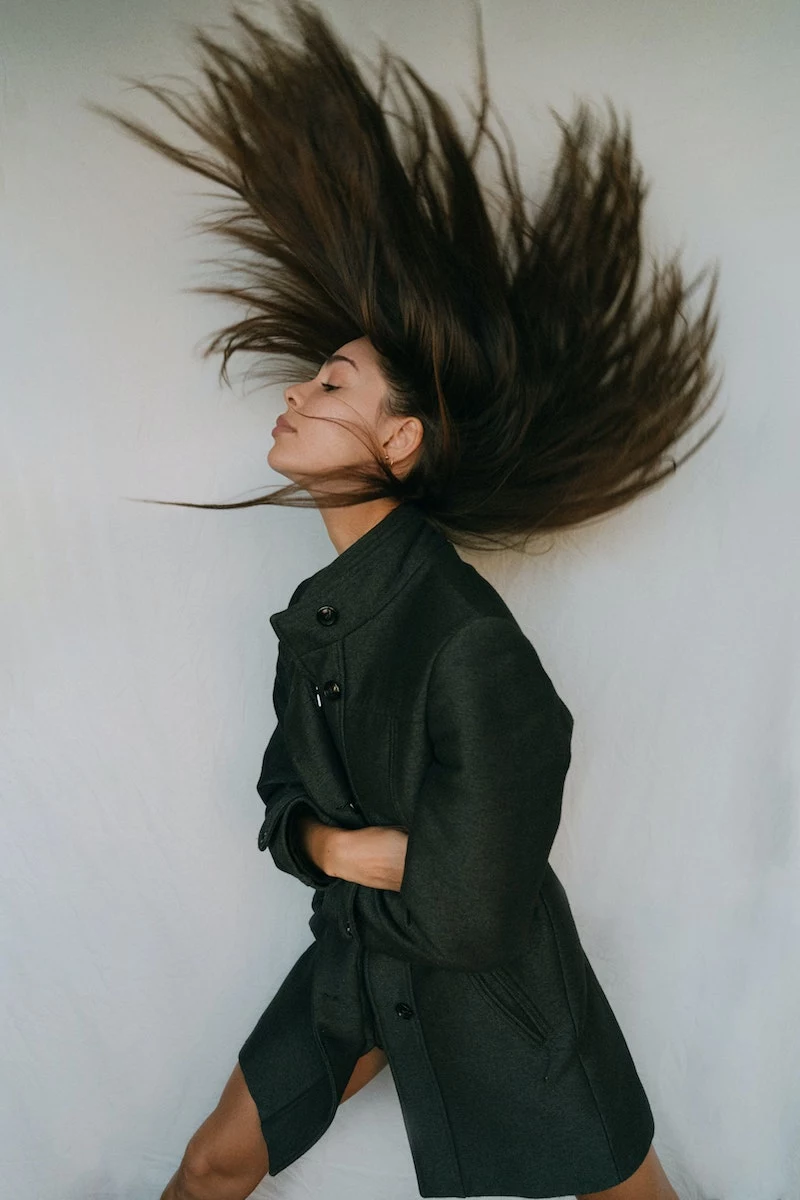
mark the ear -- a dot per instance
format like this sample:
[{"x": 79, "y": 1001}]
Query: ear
[{"x": 405, "y": 439}]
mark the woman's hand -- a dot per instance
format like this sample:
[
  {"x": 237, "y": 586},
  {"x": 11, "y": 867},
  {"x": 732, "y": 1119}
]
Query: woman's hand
[{"x": 373, "y": 856}]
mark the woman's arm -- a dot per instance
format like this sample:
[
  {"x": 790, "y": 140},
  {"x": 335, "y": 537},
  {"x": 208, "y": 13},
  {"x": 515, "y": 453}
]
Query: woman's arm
[
  {"x": 373, "y": 856},
  {"x": 300, "y": 843}
]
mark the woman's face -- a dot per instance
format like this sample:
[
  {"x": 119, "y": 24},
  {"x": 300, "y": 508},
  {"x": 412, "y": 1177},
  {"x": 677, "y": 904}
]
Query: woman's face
[{"x": 348, "y": 390}]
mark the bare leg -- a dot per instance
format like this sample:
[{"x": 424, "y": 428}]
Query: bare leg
[
  {"x": 648, "y": 1182},
  {"x": 226, "y": 1158}
]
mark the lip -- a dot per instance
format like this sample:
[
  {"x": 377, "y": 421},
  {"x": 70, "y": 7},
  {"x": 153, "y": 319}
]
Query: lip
[{"x": 282, "y": 425}]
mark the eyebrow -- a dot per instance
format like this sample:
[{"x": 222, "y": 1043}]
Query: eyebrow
[{"x": 339, "y": 358}]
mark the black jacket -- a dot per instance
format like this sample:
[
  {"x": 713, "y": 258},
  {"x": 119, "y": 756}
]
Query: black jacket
[{"x": 407, "y": 694}]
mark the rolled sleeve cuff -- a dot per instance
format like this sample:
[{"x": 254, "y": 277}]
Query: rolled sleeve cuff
[
  {"x": 336, "y": 912},
  {"x": 280, "y": 835}
]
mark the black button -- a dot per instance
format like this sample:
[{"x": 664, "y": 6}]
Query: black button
[
  {"x": 327, "y": 615},
  {"x": 331, "y": 689},
  {"x": 262, "y": 837},
  {"x": 348, "y": 930},
  {"x": 403, "y": 1010}
]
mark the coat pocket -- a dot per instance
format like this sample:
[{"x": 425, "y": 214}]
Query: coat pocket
[
  {"x": 370, "y": 739},
  {"x": 515, "y": 1005}
]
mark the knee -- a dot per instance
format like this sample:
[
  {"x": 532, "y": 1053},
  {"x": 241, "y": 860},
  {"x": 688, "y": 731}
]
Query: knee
[
  {"x": 207, "y": 1171},
  {"x": 199, "y": 1167}
]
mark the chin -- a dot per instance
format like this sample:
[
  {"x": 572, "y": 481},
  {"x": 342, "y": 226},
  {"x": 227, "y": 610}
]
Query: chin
[
  {"x": 274, "y": 457},
  {"x": 282, "y": 464}
]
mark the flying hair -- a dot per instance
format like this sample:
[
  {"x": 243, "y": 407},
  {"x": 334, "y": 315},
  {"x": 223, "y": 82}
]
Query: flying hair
[{"x": 551, "y": 383}]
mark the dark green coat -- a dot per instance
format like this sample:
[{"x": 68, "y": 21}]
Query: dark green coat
[{"x": 407, "y": 694}]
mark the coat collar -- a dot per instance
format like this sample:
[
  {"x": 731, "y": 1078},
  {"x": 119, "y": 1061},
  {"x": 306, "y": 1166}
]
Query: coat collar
[{"x": 360, "y": 580}]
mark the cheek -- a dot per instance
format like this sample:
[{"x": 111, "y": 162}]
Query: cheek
[{"x": 331, "y": 443}]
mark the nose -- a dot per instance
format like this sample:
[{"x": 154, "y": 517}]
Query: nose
[{"x": 290, "y": 395}]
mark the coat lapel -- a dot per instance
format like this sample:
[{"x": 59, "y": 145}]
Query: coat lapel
[{"x": 357, "y": 583}]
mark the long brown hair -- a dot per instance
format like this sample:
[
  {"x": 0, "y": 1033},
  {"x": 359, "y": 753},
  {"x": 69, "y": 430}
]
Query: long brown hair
[{"x": 549, "y": 385}]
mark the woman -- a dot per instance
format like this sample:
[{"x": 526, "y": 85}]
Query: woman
[{"x": 485, "y": 387}]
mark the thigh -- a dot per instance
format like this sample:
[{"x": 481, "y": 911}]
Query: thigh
[
  {"x": 648, "y": 1182},
  {"x": 231, "y": 1141},
  {"x": 366, "y": 1068}
]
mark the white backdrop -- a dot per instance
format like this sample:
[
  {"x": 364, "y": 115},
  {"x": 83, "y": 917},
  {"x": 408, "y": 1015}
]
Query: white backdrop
[{"x": 143, "y": 932}]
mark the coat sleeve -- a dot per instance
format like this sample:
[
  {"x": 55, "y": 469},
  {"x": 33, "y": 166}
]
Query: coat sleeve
[
  {"x": 486, "y": 814},
  {"x": 285, "y": 798}
]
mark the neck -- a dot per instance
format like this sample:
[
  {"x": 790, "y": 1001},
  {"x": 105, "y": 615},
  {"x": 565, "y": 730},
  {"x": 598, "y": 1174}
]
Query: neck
[{"x": 347, "y": 524}]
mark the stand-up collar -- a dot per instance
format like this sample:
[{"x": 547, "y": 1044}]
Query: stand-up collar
[{"x": 360, "y": 580}]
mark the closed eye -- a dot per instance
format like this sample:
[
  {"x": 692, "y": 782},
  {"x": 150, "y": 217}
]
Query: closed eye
[{"x": 329, "y": 387}]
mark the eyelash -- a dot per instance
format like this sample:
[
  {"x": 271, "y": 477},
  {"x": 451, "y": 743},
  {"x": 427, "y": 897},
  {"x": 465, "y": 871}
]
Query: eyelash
[{"x": 329, "y": 387}]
